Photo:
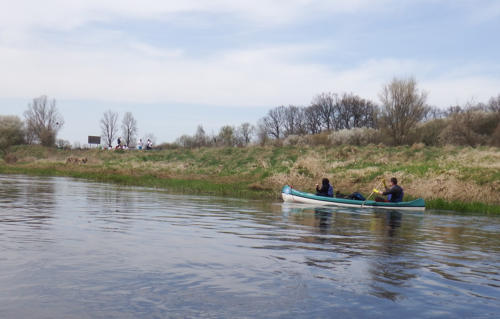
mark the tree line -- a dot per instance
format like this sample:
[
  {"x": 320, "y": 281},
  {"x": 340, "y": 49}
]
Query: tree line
[
  {"x": 43, "y": 121},
  {"x": 402, "y": 117}
]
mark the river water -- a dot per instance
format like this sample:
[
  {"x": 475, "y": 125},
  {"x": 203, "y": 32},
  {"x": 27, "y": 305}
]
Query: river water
[{"x": 75, "y": 249}]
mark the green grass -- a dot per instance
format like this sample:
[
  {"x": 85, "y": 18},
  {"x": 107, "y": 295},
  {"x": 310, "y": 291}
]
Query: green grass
[
  {"x": 474, "y": 207},
  {"x": 176, "y": 185}
]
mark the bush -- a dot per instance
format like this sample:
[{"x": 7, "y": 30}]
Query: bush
[
  {"x": 318, "y": 139},
  {"x": 11, "y": 131},
  {"x": 495, "y": 137},
  {"x": 429, "y": 132},
  {"x": 10, "y": 159},
  {"x": 355, "y": 136},
  {"x": 469, "y": 128},
  {"x": 167, "y": 146},
  {"x": 295, "y": 140}
]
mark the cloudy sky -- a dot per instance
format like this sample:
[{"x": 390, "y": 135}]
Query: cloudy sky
[{"x": 178, "y": 64}]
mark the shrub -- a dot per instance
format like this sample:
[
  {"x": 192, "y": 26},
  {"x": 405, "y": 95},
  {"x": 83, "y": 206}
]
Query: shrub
[
  {"x": 167, "y": 146},
  {"x": 429, "y": 132},
  {"x": 495, "y": 137},
  {"x": 295, "y": 140},
  {"x": 11, "y": 131},
  {"x": 355, "y": 136},
  {"x": 10, "y": 159},
  {"x": 318, "y": 139},
  {"x": 469, "y": 127}
]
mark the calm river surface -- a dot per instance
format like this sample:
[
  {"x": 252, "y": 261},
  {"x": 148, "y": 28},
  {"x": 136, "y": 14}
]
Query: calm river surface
[{"x": 74, "y": 249}]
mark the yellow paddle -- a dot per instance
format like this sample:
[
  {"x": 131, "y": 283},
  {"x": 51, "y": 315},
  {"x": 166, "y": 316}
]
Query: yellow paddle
[{"x": 375, "y": 190}]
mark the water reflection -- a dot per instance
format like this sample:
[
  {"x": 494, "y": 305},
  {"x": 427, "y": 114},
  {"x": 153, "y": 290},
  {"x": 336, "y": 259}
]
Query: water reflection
[
  {"x": 378, "y": 233},
  {"x": 29, "y": 202},
  {"x": 323, "y": 217}
]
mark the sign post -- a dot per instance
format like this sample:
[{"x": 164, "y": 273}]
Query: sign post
[{"x": 94, "y": 140}]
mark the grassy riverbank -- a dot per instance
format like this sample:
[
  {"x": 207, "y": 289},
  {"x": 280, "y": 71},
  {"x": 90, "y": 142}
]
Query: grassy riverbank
[{"x": 458, "y": 178}]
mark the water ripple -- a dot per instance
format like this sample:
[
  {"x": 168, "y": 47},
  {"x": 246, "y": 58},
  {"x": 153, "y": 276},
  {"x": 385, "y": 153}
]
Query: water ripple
[{"x": 87, "y": 250}]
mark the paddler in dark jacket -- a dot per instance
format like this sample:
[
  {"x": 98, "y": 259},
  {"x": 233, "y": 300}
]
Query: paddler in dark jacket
[
  {"x": 394, "y": 193},
  {"x": 326, "y": 189}
]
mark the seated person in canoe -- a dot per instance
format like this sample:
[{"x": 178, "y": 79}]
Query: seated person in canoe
[
  {"x": 394, "y": 193},
  {"x": 326, "y": 189}
]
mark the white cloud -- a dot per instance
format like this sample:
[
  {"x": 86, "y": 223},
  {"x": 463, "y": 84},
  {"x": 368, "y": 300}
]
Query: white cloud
[
  {"x": 63, "y": 14},
  {"x": 261, "y": 77},
  {"x": 108, "y": 65}
]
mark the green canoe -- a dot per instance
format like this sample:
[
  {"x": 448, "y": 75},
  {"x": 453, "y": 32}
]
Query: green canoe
[{"x": 292, "y": 195}]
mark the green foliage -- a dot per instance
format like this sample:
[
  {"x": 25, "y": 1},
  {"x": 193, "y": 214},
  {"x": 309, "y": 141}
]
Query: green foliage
[
  {"x": 11, "y": 131},
  {"x": 474, "y": 207}
]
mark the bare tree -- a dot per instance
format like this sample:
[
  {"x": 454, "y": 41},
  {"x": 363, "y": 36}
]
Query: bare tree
[
  {"x": 185, "y": 141},
  {"x": 494, "y": 104},
  {"x": 325, "y": 104},
  {"x": 245, "y": 132},
  {"x": 43, "y": 121},
  {"x": 129, "y": 129},
  {"x": 403, "y": 106},
  {"x": 294, "y": 121},
  {"x": 434, "y": 113},
  {"x": 273, "y": 123},
  {"x": 312, "y": 122},
  {"x": 109, "y": 127},
  {"x": 353, "y": 111},
  {"x": 200, "y": 138},
  {"x": 262, "y": 135}
]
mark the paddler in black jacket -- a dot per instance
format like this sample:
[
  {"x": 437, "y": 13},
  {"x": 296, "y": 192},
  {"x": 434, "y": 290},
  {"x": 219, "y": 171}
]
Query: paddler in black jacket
[{"x": 394, "y": 193}]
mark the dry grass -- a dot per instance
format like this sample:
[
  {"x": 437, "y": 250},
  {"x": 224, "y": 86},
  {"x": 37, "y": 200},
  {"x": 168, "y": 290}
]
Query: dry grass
[{"x": 449, "y": 173}]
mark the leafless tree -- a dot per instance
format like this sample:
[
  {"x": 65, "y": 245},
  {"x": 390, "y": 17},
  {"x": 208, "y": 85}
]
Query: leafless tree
[
  {"x": 274, "y": 122},
  {"x": 325, "y": 104},
  {"x": 129, "y": 129},
  {"x": 353, "y": 111},
  {"x": 494, "y": 104},
  {"x": 262, "y": 135},
  {"x": 43, "y": 121},
  {"x": 109, "y": 127},
  {"x": 11, "y": 131},
  {"x": 434, "y": 113},
  {"x": 294, "y": 121},
  {"x": 403, "y": 106},
  {"x": 245, "y": 132},
  {"x": 312, "y": 122},
  {"x": 185, "y": 141},
  {"x": 200, "y": 138}
]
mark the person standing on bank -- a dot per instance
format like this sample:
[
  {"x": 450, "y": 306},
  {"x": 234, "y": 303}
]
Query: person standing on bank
[
  {"x": 394, "y": 193},
  {"x": 326, "y": 189}
]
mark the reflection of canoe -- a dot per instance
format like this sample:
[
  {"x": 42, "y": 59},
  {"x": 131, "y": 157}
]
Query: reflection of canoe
[{"x": 291, "y": 195}]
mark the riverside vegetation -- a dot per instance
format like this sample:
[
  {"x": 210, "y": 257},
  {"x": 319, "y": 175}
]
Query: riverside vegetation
[{"x": 449, "y": 177}]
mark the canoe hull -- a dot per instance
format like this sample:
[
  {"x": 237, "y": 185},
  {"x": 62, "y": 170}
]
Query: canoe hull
[{"x": 291, "y": 195}]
